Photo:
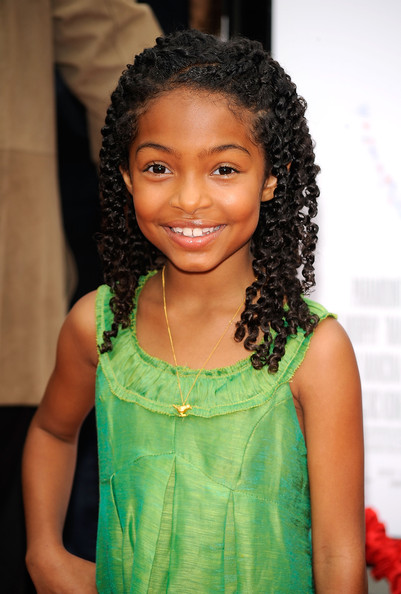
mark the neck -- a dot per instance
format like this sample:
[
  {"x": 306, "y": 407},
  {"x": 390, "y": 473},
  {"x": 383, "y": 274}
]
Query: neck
[{"x": 220, "y": 283}]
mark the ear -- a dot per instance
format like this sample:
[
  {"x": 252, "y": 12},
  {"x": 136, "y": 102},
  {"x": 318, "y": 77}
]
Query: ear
[
  {"x": 127, "y": 179},
  {"x": 268, "y": 188}
]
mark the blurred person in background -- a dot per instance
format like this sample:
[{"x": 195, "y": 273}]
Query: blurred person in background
[{"x": 90, "y": 42}]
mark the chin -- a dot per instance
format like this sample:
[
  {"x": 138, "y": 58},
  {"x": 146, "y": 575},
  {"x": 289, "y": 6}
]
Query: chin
[{"x": 193, "y": 266}]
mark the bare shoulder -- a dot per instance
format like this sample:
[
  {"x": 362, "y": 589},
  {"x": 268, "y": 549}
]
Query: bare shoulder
[
  {"x": 79, "y": 328},
  {"x": 329, "y": 363},
  {"x": 329, "y": 339}
]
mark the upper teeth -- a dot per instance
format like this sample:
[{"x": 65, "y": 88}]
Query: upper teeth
[{"x": 194, "y": 231}]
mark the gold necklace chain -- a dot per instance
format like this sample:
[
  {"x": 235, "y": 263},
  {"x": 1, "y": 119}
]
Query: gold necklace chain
[{"x": 184, "y": 407}]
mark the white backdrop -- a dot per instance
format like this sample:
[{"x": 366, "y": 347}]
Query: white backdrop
[{"x": 345, "y": 57}]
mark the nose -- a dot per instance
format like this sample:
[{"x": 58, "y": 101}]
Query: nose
[{"x": 190, "y": 194}]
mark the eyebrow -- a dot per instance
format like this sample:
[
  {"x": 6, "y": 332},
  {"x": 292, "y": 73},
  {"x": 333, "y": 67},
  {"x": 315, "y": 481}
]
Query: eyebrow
[
  {"x": 225, "y": 147},
  {"x": 155, "y": 145},
  {"x": 211, "y": 151}
]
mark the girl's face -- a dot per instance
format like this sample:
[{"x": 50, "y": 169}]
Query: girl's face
[{"x": 197, "y": 179}]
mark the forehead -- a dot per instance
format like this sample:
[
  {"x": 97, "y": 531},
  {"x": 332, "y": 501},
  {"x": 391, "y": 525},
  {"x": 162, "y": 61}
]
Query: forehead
[{"x": 195, "y": 113}]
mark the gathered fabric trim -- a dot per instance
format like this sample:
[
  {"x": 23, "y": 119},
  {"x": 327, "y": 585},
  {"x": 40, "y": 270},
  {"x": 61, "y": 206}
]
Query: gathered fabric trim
[{"x": 234, "y": 388}]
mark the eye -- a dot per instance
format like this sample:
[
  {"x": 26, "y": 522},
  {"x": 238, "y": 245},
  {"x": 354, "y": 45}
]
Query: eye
[
  {"x": 157, "y": 169},
  {"x": 224, "y": 170}
]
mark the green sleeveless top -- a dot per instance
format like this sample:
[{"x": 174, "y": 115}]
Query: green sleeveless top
[{"x": 217, "y": 501}]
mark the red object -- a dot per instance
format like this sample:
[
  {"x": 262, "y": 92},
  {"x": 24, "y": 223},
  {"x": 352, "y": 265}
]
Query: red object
[{"x": 383, "y": 554}]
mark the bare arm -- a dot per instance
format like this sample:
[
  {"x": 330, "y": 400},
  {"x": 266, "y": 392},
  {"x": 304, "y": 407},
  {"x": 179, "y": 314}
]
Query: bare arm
[
  {"x": 50, "y": 452},
  {"x": 327, "y": 386}
]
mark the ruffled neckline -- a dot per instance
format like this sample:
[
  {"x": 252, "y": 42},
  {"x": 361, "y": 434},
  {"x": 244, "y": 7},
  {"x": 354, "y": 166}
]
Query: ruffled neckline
[{"x": 133, "y": 375}]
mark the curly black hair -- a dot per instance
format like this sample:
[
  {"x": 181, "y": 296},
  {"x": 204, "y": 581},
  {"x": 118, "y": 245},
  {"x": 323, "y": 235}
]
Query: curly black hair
[{"x": 285, "y": 239}]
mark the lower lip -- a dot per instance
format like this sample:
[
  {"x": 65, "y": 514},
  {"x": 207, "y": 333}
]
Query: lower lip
[{"x": 193, "y": 242}]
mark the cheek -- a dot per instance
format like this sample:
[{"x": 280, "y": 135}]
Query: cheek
[
  {"x": 145, "y": 221},
  {"x": 147, "y": 226},
  {"x": 145, "y": 205},
  {"x": 148, "y": 200},
  {"x": 245, "y": 208}
]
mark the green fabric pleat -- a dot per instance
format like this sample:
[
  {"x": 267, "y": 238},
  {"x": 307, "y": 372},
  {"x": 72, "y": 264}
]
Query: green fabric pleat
[
  {"x": 214, "y": 502},
  {"x": 161, "y": 562}
]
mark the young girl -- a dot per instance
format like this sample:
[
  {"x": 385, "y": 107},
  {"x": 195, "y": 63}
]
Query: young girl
[{"x": 228, "y": 405}]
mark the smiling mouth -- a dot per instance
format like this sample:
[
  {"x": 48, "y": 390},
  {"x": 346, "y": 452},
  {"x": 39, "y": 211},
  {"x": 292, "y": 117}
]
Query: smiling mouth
[{"x": 194, "y": 231}]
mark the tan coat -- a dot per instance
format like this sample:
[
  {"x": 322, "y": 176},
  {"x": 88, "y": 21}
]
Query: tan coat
[{"x": 91, "y": 41}]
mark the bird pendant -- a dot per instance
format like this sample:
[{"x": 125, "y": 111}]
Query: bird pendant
[{"x": 182, "y": 409}]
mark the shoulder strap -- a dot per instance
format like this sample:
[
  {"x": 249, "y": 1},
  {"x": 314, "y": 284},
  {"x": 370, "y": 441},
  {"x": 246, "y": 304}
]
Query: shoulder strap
[
  {"x": 104, "y": 315},
  {"x": 317, "y": 308},
  {"x": 298, "y": 345}
]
